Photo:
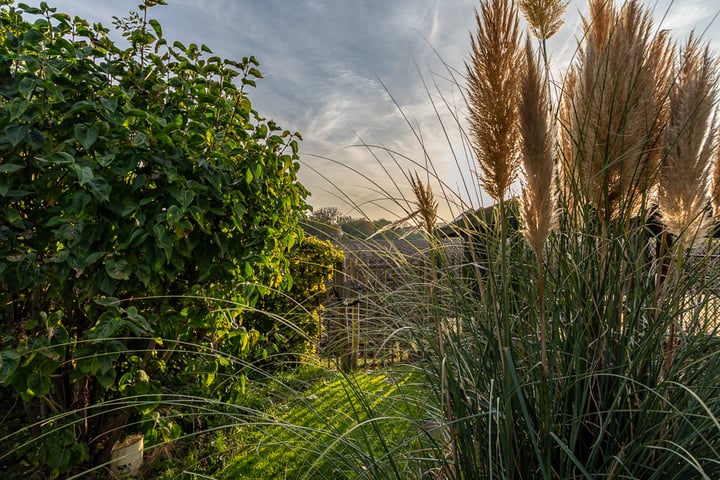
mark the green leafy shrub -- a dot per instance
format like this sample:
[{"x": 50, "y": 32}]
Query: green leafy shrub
[
  {"x": 135, "y": 183},
  {"x": 291, "y": 320}
]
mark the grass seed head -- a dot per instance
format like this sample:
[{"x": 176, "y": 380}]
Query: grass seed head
[
  {"x": 689, "y": 144},
  {"x": 610, "y": 112},
  {"x": 427, "y": 206},
  {"x": 494, "y": 80},
  {"x": 537, "y": 203},
  {"x": 545, "y": 17}
]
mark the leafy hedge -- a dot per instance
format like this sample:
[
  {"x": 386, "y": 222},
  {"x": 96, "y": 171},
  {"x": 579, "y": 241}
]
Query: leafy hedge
[{"x": 143, "y": 174}]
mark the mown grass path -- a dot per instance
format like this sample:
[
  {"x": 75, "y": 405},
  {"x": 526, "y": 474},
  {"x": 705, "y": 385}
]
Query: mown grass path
[{"x": 339, "y": 427}]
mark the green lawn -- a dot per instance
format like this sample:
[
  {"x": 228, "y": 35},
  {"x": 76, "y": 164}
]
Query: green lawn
[{"x": 339, "y": 427}]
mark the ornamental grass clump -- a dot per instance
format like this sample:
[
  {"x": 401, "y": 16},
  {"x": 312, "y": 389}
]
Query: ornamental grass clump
[
  {"x": 569, "y": 348},
  {"x": 588, "y": 369}
]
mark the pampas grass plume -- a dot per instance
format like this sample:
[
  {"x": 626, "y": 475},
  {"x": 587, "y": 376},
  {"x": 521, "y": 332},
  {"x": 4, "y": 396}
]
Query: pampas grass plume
[
  {"x": 610, "y": 112},
  {"x": 689, "y": 145},
  {"x": 716, "y": 179},
  {"x": 427, "y": 206},
  {"x": 493, "y": 83},
  {"x": 537, "y": 203},
  {"x": 545, "y": 17}
]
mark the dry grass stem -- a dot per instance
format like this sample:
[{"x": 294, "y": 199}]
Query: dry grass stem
[
  {"x": 494, "y": 80},
  {"x": 689, "y": 145},
  {"x": 537, "y": 203},
  {"x": 611, "y": 115},
  {"x": 544, "y": 16}
]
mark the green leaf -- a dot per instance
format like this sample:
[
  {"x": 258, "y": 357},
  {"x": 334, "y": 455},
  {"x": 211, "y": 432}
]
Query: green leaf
[
  {"x": 174, "y": 214},
  {"x": 110, "y": 104},
  {"x": 38, "y": 383},
  {"x": 137, "y": 323},
  {"x": 100, "y": 189},
  {"x": 33, "y": 36},
  {"x": 137, "y": 113},
  {"x": 17, "y": 108},
  {"x": 86, "y": 135},
  {"x": 163, "y": 241},
  {"x": 106, "y": 284},
  {"x": 94, "y": 257},
  {"x": 136, "y": 238},
  {"x": 58, "y": 158},
  {"x": 117, "y": 269},
  {"x": 105, "y": 160},
  {"x": 9, "y": 362},
  {"x": 164, "y": 139},
  {"x": 15, "y": 133},
  {"x": 26, "y": 87},
  {"x": 10, "y": 168},
  {"x": 84, "y": 174},
  {"x": 108, "y": 301},
  {"x": 107, "y": 327},
  {"x": 156, "y": 27},
  {"x": 187, "y": 197},
  {"x": 139, "y": 139},
  {"x": 106, "y": 379},
  {"x": 81, "y": 106},
  {"x": 36, "y": 139}
]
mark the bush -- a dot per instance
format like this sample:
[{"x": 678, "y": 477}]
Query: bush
[
  {"x": 291, "y": 320},
  {"x": 135, "y": 184}
]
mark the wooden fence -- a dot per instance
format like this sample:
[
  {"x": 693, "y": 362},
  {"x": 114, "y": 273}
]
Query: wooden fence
[{"x": 356, "y": 323}]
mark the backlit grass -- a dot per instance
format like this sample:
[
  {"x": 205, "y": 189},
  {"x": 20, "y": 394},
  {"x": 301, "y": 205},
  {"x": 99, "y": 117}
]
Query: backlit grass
[{"x": 342, "y": 426}]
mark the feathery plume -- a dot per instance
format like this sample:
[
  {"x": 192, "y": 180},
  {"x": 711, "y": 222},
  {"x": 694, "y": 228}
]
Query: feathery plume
[
  {"x": 610, "y": 110},
  {"x": 536, "y": 206},
  {"x": 689, "y": 145},
  {"x": 544, "y": 16},
  {"x": 663, "y": 52},
  {"x": 427, "y": 206},
  {"x": 494, "y": 80},
  {"x": 662, "y": 57},
  {"x": 716, "y": 178},
  {"x": 536, "y": 200}
]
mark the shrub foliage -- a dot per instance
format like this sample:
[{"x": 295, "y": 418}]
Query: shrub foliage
[
  {"x": 139, "y": 173},
  {"x": 291, "y": 320}
]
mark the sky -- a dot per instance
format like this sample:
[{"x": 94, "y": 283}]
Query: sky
[{"x": 373, "y": 86}]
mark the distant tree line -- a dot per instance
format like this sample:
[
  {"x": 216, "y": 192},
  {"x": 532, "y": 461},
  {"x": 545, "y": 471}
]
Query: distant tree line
[{"x": 328, "y": 223}]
